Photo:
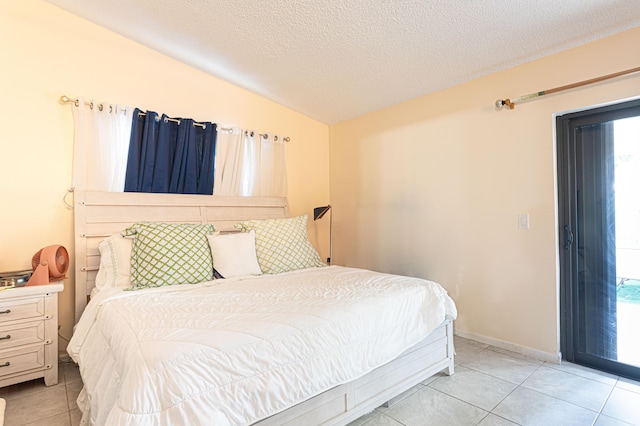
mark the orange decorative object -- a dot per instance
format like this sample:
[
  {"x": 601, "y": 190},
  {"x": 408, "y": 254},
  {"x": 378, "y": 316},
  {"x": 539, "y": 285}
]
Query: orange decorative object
[{"x": 49, "y": 264}]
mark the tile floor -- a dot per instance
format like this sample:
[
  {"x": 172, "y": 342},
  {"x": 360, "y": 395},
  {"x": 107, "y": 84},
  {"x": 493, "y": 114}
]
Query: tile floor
[
  {"x": 491, "y": 387},
  {"x": 32, "y": 403},
  {"x": 495, "y": 387}
]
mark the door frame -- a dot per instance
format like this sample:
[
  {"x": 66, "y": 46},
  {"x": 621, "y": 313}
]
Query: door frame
[{"x": 567, "y": 254}]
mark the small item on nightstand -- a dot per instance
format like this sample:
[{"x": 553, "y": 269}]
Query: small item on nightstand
[
  {"x": 13, "y": 279},
  {"x": 49, "y": 264}
]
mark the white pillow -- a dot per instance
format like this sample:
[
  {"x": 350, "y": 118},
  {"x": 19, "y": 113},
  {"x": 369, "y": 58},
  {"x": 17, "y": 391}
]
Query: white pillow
[
  {"x": 234, "y": 254},
  {"x": 115, "y": 262}
]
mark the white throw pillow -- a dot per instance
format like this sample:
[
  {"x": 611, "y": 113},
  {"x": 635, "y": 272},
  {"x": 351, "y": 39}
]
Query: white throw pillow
[
  {"x": 115, "y": 262},
  {"x": 234, "y": 254}
]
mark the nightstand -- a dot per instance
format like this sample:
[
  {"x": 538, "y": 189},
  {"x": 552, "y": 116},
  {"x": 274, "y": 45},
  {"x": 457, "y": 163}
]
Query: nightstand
[{"x": 29, "y": 334}]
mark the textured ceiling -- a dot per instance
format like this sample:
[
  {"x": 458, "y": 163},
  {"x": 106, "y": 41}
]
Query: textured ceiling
[{"x": 337, "y": 59}]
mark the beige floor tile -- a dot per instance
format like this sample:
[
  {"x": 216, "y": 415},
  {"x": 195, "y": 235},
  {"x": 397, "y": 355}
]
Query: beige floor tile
[
  {"x": 608, "y": 421},
  {"x": 73, "y": 390},
  {"x": 400, "y": 398},
  {"x": 493, "y": 420},
  {"x": 382, "y": 420},
  {"x": 502, "y": 366},
  {"x": 515, "y": 355},
  {"x": 71, "y": 372},
  {"x": 548, "y": 394},
  {"x": 530, "y": 408},
  {"x": 464, "y": 341},
  {"x": 44, "y": 404},
  {"x": 623, "y": 405},
  {"x": 375, "y": 418},
  {"x": 568, "y": 387},
  {"x": 30, "y": 387},
  {"x": 363, "y": 419},
  {"x": 61, "y": 419},
  {"x": 432, "y": 378},
  {"x": 76, "y": 417},
  {"x": 586, "y": 372},
  {"x": 437, "y": 407},
  {"x": 475, "y": 388},
  {"x": 628, "y": 384},
  {"x": 466, "y": 350}
]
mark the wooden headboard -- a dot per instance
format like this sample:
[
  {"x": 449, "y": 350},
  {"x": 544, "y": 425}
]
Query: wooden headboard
[{"x": 101, "y": 214}]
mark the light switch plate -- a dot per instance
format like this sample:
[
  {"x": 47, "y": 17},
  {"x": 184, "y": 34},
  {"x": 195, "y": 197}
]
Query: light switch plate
[{"x": 523, "y": 221}]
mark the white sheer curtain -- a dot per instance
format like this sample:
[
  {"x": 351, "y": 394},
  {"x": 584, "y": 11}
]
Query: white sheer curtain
[
  {"x": 229, "y": 152},
  {"x": 101, "y": 144},
  {"x": 250, "y": 164},
  {"x": 273, "y": 166},
  {"x": 247, "y": 163}
]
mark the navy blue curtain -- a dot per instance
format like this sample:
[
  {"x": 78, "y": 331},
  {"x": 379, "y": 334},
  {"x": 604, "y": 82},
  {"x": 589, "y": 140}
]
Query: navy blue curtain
[{"x": 170, "y": 155}]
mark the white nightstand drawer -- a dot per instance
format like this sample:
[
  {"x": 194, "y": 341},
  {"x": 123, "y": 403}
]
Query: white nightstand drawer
[
  {"x": 32, "y": 307},
  {"x": 21, "y": 359},
  {"x": 22, "y": 334},
  {"x": 29, "y": 334}
]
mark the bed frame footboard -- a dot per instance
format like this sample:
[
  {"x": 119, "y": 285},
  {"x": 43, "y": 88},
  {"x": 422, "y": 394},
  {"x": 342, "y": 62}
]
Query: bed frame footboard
[{"x": 347, "y": 402}]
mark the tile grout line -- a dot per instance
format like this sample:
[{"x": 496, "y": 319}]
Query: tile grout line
[
  {"x": 520, "y": 385},
  {"x": 509, "y": 394},
  {"x": 550, "y": 365},
  {"x": 605, "y": 403},
  {"x": 388, "y": 416},
  {"x": 66, "y": 390},
  {"x": 607, "y": 398},
  {"x": 568, "y": 402}
]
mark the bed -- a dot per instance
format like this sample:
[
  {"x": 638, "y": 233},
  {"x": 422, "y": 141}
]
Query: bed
[{"x": 315, "y": 345}]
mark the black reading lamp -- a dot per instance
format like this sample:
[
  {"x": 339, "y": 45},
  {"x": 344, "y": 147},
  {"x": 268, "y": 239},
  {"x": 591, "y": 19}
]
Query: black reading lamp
[{"x": 318, "y": 212}]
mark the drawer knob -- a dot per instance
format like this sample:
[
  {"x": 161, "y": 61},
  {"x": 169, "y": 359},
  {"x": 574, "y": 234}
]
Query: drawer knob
[
  {"x": 8, "y": 311},
  {"x": 6, "y": 364},
  {"x": 7, "y": 337}
]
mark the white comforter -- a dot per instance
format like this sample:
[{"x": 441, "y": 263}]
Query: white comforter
[{"x": 237, "y": 351}]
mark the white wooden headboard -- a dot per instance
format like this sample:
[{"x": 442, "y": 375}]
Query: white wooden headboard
[{"x": 101, "y": 214}]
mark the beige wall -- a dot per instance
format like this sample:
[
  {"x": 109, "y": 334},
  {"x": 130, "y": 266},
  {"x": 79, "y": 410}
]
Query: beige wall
[
  {"x": 430, "y": 187},
  {"x": 45, "y": 53},
  {"x": 433, "y": 188}
]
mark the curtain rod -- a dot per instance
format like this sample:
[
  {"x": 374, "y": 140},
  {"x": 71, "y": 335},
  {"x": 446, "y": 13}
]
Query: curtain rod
[
  {"x": 511, "y": 103},
  {"x": 176, "y": 120},
  {"x": 67, "y": 100}
]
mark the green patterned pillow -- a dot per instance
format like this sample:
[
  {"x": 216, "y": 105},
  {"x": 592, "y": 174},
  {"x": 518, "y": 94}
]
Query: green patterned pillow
[
  {"x": 282, "y": 244},
  {"x": 169, "y": 253}
]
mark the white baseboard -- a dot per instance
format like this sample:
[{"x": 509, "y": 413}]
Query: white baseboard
[{"x": 551, "y": 357}]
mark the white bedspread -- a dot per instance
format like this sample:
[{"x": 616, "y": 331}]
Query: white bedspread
[{"x": 237, "y": 351}]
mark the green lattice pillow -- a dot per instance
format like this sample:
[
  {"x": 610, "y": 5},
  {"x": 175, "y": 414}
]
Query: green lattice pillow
[
  {"x": 169, "y": 253},
  {"x": 282, "y": 244}
]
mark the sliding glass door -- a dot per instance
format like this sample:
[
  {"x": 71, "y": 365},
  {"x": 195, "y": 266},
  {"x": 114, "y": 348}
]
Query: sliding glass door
[{"x": 599, "y": 217}]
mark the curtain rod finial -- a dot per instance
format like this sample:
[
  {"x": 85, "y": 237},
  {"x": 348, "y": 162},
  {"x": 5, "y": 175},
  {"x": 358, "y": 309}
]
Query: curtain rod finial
[
  {"x": 64, "y": 99},
  {"x": 500, "y": 103}
]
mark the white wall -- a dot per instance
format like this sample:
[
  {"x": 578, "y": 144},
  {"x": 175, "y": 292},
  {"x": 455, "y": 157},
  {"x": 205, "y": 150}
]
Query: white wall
[
  {"x": 47, "y": 52},
  {"x": 433, "y": 188}
]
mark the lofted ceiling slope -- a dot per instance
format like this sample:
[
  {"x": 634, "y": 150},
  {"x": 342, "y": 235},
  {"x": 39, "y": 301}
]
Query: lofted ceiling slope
[{"x": 334, "y": 60}]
